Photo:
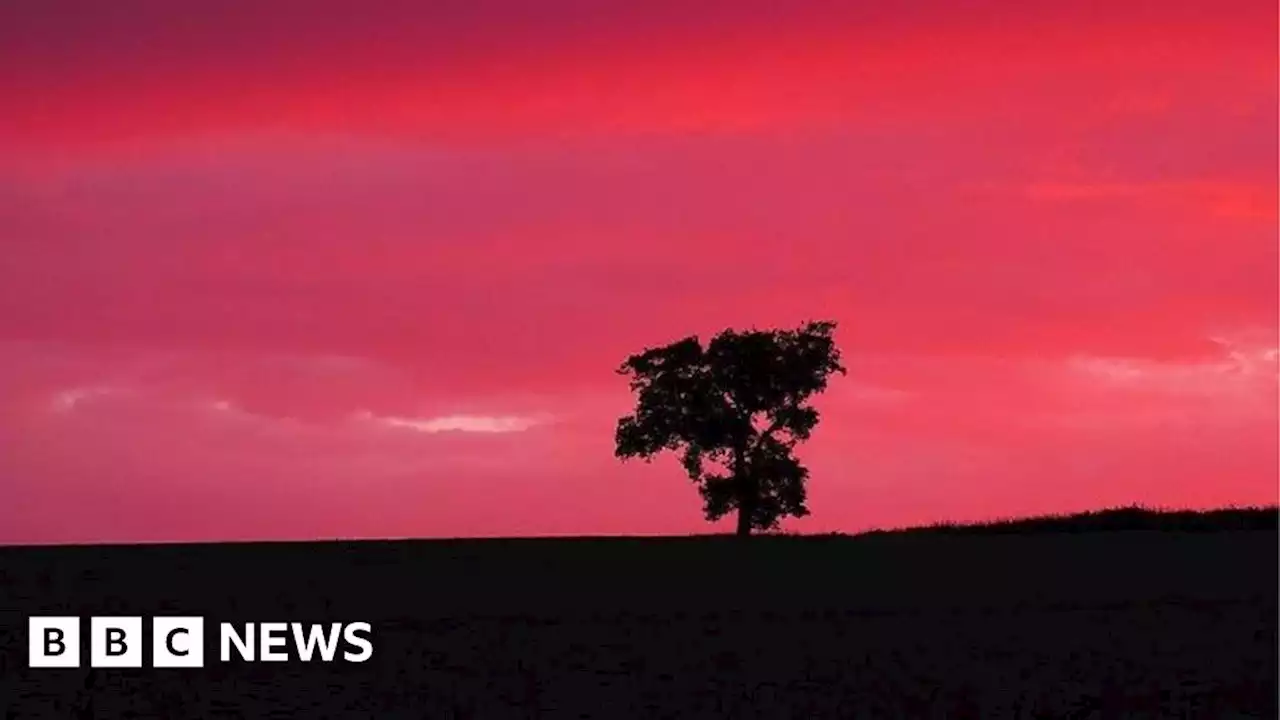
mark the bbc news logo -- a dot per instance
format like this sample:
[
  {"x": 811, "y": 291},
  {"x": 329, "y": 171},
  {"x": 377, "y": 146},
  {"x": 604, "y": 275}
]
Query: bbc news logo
[{"x": 179, "y": 642}]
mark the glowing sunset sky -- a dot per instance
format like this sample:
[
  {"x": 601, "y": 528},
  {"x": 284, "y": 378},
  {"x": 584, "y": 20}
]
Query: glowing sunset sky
[{"x": 351, "y": 269}]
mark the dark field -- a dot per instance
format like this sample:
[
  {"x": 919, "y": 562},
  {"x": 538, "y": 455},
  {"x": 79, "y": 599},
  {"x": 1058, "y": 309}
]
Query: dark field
[{"x": 1074, "y": 620}]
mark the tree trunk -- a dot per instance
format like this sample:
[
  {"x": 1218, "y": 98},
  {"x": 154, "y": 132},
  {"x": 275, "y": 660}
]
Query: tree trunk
[{"x": 746, "y": 495}]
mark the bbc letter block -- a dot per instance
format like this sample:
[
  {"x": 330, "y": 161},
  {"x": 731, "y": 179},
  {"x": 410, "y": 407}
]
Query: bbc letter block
[
  {"x": 177, "y": 642},
  {"x": 115, "y": 642},
  {"x": 53, "y": 642}
]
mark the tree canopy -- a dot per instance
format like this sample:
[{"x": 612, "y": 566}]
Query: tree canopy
[{"x": 734, "y": 411}]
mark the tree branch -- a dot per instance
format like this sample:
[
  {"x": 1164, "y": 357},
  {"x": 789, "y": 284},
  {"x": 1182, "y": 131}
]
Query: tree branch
[{"x": 768, "y": 432}]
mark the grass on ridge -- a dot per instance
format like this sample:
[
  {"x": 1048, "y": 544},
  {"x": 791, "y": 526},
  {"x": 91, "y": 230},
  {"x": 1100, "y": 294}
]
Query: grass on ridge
[{"x": 1127, "y": 518}]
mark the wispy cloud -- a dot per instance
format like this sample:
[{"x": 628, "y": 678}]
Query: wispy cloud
[
  {"x": 1238, "y": 367},
  {"x": 69, "y": 399},
  {"x": 455, "y": 423},
  {"x": 222, "y": 406}
]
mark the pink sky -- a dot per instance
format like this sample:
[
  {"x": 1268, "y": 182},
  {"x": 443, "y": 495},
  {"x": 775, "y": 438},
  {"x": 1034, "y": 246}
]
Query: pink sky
[{"x": 337, "y": 269}]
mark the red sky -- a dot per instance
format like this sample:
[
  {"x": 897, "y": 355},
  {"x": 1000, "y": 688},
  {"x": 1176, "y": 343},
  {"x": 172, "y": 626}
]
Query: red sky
[{"x": 338, "y": 269}]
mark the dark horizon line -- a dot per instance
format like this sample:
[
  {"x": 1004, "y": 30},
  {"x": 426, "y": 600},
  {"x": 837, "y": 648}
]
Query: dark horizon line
[{"x": 992, "y": 526}]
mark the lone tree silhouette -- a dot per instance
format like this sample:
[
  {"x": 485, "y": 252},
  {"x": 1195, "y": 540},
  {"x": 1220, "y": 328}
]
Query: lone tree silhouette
[{"x": 735, "y": 412}]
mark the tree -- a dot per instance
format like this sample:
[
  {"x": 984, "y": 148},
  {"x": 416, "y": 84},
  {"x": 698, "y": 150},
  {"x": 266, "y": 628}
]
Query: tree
[{"x": 734, "y": 411}]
